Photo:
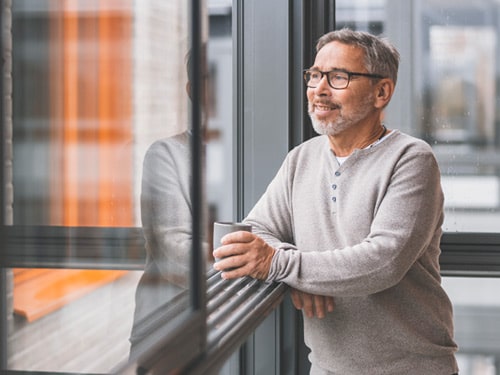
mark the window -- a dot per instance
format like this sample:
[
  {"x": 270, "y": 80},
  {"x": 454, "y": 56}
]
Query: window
[
  {"x": 447, "y": 85},
  {"x": 94, "y": 85}
]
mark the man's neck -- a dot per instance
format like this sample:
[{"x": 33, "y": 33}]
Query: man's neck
[{"x": 345, "y": 143}]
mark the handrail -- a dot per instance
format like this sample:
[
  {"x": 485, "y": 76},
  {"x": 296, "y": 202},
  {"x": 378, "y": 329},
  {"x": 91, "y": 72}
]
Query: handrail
[{"x": 246, "y": 303}]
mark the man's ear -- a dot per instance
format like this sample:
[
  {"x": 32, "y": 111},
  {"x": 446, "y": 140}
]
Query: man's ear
[
  {"x": 383, "y": 92},
  {"x": 188, "y": 89}
]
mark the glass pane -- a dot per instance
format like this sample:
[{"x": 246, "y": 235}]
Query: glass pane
[
  {"x": 447, "y": 94},
  {"x": 476, "y": 305},
  {"x": 101, "y": 140},
  {"x": 219, "y": 136}
]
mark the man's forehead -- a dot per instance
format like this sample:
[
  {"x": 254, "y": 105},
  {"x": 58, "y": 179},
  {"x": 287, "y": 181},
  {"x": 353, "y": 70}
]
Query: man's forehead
[{"x": 335, "y": 55}]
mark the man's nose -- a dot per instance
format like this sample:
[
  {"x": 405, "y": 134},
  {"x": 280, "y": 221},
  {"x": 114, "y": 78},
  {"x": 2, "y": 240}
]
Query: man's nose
[{"x": 323, "y": 87}]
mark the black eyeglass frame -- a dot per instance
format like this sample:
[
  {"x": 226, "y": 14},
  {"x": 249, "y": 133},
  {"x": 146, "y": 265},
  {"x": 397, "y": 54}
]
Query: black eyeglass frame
[{"x": 349, "y": 76}]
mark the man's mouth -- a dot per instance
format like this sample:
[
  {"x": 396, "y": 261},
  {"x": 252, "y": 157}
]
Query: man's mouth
[{"x": 324, "y": 108}]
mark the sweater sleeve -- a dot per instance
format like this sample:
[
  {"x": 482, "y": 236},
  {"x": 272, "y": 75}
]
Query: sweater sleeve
[
  {"x": 272, "y": 216},
  {"x": 404, "y": 233}
]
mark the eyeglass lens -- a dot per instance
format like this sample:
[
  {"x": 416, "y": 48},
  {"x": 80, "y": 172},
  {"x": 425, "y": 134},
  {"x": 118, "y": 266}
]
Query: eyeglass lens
[{"x": 336, "y": 79}]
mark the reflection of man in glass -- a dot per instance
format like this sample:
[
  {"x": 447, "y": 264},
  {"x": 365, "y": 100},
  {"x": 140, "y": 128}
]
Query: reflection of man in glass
[{"x": 166, "y": 215}]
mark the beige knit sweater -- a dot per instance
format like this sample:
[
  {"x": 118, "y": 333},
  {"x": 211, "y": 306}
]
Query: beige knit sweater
[{"x": 367, "y": 233}]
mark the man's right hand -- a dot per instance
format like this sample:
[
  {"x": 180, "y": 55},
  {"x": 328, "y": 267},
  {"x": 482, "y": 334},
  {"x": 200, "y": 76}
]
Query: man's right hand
[{"x": 312, "y": 305}]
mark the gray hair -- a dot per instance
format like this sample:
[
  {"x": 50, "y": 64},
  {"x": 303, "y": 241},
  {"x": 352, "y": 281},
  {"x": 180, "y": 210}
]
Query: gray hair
[{"x": 381, "y": 57}]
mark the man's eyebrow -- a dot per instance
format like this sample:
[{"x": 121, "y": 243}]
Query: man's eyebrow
[{"x": 315, "y": 68}]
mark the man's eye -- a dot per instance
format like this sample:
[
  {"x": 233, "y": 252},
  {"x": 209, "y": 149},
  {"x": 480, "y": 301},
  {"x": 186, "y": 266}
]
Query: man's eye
[{"x": 338, "y": 77}]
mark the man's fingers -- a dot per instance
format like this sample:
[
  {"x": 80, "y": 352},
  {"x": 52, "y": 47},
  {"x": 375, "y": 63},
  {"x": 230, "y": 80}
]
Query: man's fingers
[
  {"x": 330, "y": 304},
  {"x": 226, "y": 251},
  {"x": 308, "y": 304},
  {"x": 239, "y": 236},
  {"x": 319, "y": 306},
  {"x": 296, "y": 300},
  {"x": 236, "y": 243},
  {"x": 312, "y": 305}
]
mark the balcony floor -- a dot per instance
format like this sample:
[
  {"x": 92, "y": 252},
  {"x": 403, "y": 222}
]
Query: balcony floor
[{"x": 89, "y": 335}]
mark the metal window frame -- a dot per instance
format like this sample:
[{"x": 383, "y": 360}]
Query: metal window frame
[
  {"x": 4, "y": 94},
  {"x": 470, "y": 254}
]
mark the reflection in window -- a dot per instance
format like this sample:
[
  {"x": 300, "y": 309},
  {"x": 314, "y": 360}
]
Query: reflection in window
[
  {"x": 460, "y": 115},
  {"x": 96, "y": 84},
  {"x": 72, "y": 114},
  {"x": 462, "y": 84}
]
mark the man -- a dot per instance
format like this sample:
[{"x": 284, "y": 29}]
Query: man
[{"x": 352, "y": 223}]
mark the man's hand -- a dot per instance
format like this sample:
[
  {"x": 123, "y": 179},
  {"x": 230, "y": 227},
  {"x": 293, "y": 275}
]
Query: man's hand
[
  {"x": 244, "y": 254},
  {"x": 312, "y": 305}
]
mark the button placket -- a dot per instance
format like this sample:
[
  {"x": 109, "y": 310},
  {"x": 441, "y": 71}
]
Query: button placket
[{"x": 334, "y": 187}]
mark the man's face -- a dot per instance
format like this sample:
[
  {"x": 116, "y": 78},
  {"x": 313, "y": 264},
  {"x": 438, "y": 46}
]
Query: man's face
[{"x": 333, "y": 111}]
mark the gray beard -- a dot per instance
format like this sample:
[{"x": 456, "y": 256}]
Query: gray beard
[
  {"x": 341, "y": 123},
  {"x": 327, "y": 128}
]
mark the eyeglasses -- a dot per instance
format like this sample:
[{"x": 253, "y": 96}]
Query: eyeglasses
[{"x": 337, "y": 79}]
